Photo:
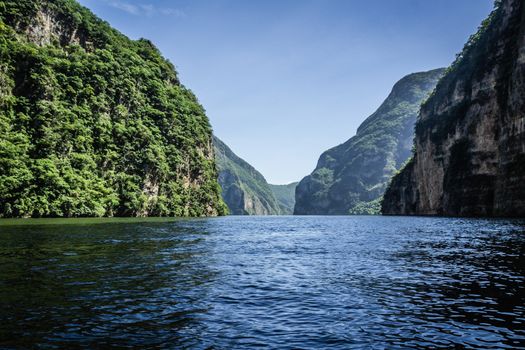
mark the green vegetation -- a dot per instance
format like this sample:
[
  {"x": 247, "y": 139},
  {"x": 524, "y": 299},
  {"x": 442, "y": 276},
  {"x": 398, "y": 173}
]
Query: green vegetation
[
  {"x": 476, "y": 39},
  {"x": 350, "y": 178},
  {"x": 244, "y": 189},
  {"x": 285, "y": 195},
  {"x": 95, "y": 124},
  {"x": 367, "y": 208},
  {"x": 466, "y": 67},
  {"x": 87, "y": 221}
]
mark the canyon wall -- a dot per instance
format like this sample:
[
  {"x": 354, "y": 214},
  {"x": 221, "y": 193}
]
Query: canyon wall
[{"x": 469, "y": 157}]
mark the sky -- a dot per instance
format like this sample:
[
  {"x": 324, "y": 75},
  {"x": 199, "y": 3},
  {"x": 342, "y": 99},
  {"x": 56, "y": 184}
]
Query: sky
[{"x": 284, "y": 80}]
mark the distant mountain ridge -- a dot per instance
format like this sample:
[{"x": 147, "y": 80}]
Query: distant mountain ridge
[
  {"x": 351, "y": 178},
  {"x": 285, "y": 195}
]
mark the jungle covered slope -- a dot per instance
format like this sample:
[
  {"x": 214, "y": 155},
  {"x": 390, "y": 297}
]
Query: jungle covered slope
[
  {"x": 470, "y": 136},
  {"x": 351, "y": 178},
  {"x": 95, "y": 124},
  {"x": 244, "y": 189}
]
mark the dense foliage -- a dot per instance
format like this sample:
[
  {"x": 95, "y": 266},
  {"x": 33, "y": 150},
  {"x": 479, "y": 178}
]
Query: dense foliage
[
  {"x": 95, "y": 124},
  {"x": 350, "y": 178},
  {"x": 244, "y": 189},
  {"x": 367, "y": 208}
]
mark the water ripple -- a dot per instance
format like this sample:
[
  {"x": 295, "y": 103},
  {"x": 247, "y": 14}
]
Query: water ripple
[{"x": 267, "y": 282}]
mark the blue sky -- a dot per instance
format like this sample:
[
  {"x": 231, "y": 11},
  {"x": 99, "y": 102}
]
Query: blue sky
[{"x": 284, "y": 80}]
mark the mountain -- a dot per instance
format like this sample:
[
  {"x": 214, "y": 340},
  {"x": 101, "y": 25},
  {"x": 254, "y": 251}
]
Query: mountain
[
  {"x": 351, "y": 178},
  {"x": 95, "y": 124},
  {"x": 469, "y": 157},
  {"x": 285, "y": 195},
  {"x": 244, "y": 189}
]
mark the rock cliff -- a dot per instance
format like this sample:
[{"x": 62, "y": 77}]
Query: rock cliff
[
  {"x": 469, "y": 155},
  {"x": 351, "y": 178}
]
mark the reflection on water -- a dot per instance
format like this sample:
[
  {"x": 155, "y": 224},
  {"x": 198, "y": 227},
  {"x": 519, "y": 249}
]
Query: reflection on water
[{"x": 275, "y": 282}]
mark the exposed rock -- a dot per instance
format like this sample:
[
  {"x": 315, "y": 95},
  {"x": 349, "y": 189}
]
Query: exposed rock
[
  {"x": 47, "y": 27},
  {"x": 469, "y": 155}
]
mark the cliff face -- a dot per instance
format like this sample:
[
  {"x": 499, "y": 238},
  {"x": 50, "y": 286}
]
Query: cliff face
[
  {"x": 350, "y": 178},
  {"x": 470, "y": 144},
  {"x": 244, "y": 189},
  {"x": 95, "y": 124}
]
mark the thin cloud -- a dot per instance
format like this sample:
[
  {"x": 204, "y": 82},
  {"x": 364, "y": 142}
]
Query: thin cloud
[
  {"x": 126, "y": 7},
  {"x": 145, "y": 9}
]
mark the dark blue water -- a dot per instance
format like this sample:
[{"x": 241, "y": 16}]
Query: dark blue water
[{"x": 267, "y": 282}]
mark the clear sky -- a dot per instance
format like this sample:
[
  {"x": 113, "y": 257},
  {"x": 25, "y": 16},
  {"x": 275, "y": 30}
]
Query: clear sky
[{"x": 284, "y": 80}]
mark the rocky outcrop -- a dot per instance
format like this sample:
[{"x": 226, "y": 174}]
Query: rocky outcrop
[
  {"x": 244, "y": 189},
  {"x": 469, "y": 155},
  {"x": 351, "y": 178},
  {"x": 46, "y": 27}
]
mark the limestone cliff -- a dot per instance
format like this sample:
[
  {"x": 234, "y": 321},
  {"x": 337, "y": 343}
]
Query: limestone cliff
[
  {"x": 469, "y": 155},
  {"x": 351, "y": 178}
]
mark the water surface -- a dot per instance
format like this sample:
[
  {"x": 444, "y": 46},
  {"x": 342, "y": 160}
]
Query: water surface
[{"x": 268, "y": 282}]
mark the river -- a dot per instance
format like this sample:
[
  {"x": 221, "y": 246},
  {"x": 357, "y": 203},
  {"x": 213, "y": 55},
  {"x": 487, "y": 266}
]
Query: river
[{"x": 263, "y": 282}]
